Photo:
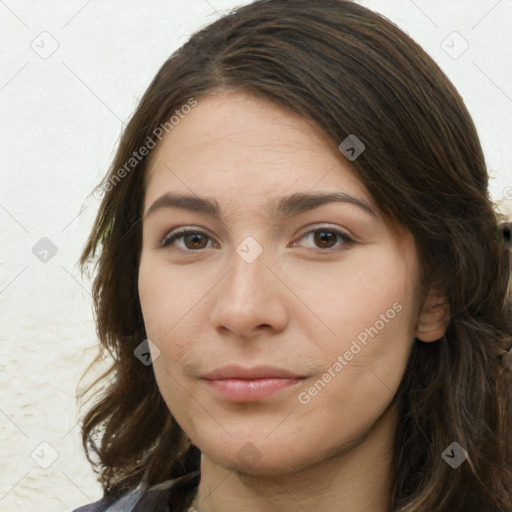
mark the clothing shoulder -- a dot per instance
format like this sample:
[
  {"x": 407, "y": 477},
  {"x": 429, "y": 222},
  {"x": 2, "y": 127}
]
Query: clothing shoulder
[
  {"x": 98, "y": 506},
  {"x": 159, "y": 498}
]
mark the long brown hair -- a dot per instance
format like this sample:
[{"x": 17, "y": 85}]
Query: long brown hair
[{"x": 351, "y": 71}]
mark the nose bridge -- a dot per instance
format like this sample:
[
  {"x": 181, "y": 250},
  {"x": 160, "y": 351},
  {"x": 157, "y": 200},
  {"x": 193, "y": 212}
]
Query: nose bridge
[
  {"x": 249, "y": 273},
  {"x": 249, "y": 297}
]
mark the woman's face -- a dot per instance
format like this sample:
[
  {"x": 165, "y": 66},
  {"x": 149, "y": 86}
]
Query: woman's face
[{"x": 271, "y": 275}]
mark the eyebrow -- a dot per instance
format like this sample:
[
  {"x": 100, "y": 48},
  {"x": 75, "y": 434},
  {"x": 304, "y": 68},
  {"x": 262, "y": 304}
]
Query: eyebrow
[{"x": 285, "y": 206}]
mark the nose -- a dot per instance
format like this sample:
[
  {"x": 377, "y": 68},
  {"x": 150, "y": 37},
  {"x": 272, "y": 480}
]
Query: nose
[{"x": 249, "y": 300}]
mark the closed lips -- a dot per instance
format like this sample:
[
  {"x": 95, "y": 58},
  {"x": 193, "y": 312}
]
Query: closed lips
[{"x": 253, "y": 373}]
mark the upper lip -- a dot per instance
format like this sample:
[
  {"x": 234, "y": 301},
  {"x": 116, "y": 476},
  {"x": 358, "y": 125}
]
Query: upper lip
[{"x": 233, "y": 371}]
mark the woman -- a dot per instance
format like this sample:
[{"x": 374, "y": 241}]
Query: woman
[{"x": 301, "y": 279}]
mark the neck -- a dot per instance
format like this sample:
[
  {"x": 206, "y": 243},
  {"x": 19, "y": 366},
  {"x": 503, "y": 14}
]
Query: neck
[{"x": 355, "y": 478}]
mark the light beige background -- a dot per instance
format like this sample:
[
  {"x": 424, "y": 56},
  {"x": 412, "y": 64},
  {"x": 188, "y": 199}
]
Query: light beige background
[{"x": 61, "y": 116}]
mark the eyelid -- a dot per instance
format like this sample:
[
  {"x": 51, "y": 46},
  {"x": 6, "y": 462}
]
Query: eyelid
[
  {"x": 347, "y": 239},
  {"x": 319, "y": 226},
  {"x": 181, "y": 231}
]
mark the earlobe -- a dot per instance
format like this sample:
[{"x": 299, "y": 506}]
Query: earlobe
[{"x": 434, "y": 318}]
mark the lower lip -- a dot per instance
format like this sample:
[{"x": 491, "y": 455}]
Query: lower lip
[{"x": 239, "y": 390}]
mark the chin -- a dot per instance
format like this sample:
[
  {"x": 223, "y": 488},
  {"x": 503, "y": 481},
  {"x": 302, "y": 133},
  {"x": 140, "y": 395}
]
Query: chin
[{"x": 261, "y": 457}]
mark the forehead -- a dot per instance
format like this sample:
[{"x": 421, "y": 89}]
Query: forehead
[
  {"x": 233, "y": 142},
  {"x": 230, "y": 118}
]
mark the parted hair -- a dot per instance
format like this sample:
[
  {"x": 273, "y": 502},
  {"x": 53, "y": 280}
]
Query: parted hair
[{"x": 350, "y": 71}]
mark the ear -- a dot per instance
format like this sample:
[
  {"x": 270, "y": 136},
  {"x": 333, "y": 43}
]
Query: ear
[{"x": 434, "y": 317}]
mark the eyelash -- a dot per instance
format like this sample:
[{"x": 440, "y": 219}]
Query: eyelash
[{"x": 179, "y": 235}]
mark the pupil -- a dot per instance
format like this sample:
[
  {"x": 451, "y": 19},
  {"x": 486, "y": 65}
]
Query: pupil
[
  {"x": 323, "y": 238},
  {"x": 195, "y": 239}
]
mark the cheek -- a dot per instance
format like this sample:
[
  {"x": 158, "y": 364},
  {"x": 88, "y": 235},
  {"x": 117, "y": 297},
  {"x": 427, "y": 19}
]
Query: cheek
[
  {"x": 359, "y": 378},
  {"x": 377, "y": 286},
  {"x": 168, "y": 296},
  {"x": 151, "y": 292},
  {"x": 363, "y": 314},
  {"x": 171, "y": 307}
]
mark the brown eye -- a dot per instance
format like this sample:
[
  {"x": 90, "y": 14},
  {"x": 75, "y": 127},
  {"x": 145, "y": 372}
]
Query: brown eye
[
  {"x": 187, "y": 240},
  {"x": 328, "y": 239},
  {"x": 195, "y": 241},
  {"x": 325, "y": 239}
]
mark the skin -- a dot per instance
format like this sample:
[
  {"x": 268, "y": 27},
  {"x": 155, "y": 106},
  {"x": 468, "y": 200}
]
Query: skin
[{"x": 295, "y": 306}]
